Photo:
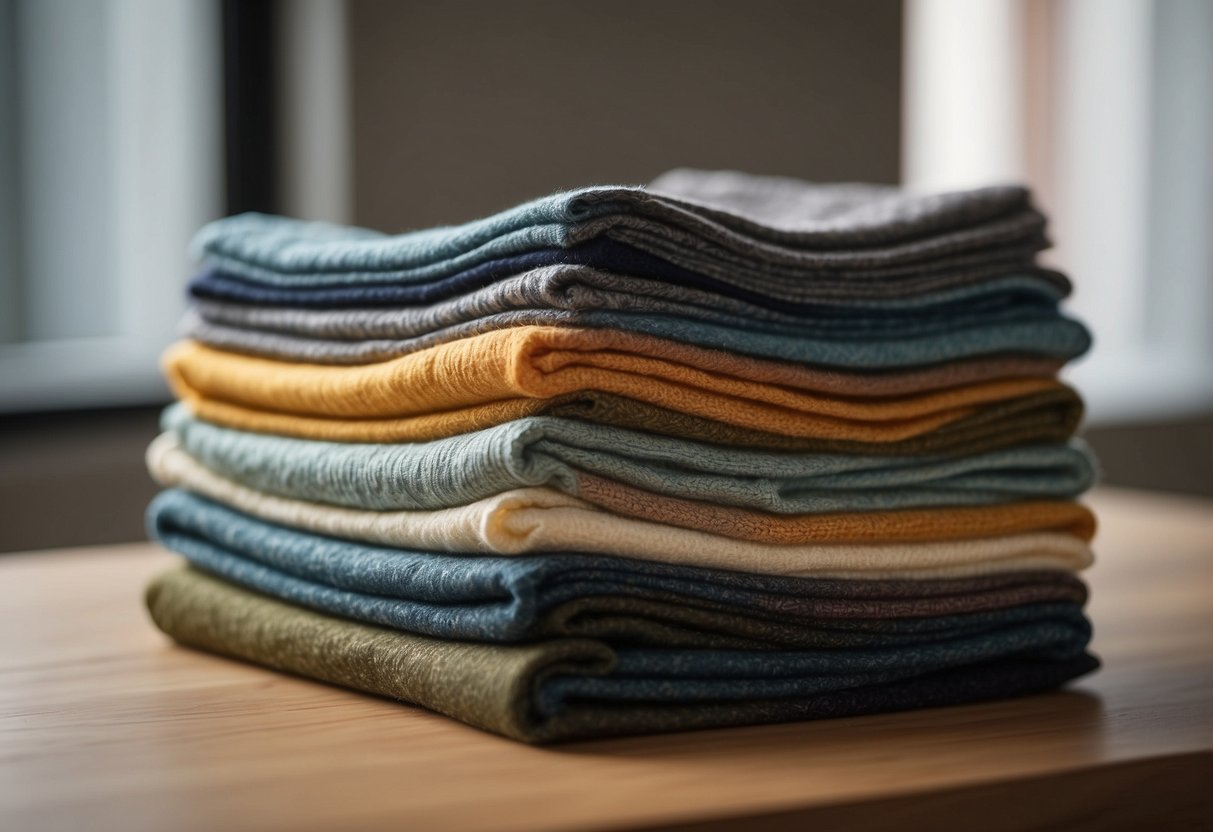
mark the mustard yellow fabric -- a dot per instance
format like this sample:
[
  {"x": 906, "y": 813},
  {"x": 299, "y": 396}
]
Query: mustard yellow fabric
[{"x": 498, "y": 376}]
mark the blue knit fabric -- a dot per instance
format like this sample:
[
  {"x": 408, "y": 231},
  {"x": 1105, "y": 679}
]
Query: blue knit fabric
[{"x": 503, "y": 599}]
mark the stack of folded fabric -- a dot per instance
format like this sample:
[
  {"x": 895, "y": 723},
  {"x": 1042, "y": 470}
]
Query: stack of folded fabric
[{"x": 722, "y": 450}]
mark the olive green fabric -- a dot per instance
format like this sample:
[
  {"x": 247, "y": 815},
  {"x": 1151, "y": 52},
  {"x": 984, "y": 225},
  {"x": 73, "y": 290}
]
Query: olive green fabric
[
  {"x": 1050, "y": 416},
  {"x": 497, "y": 687}
]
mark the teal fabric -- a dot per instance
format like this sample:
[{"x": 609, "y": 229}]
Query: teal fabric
[
  {"x": 557, "y": 452},
  {"x": 1044, "y": 333}
]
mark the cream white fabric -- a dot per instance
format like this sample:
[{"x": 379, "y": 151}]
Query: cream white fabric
[{"x": 531, "y": 520}]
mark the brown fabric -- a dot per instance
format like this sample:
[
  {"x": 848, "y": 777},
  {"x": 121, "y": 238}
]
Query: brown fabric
[{"x": 845, "y": 527}]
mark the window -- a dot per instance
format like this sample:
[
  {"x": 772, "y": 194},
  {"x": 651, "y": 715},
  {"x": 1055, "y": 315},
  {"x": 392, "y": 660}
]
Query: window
[
  {"x": 110, "y": 159},
  {"x": 1106, "y": 108}
]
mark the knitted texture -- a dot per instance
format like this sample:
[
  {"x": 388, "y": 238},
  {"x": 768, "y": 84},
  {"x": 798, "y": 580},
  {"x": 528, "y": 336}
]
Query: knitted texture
[
  {"x": 762, "y": 233},
  {"x": 530, "y": 521},
  {"x": 514, "y": 599},
  {"x": 887, "y": 288},
  {"x": 1018, "y": 315},
  {"x": 723, "y": 450},
  {"x": 582, "y": 287},
  {"x": 578, "y": 458},
  {"x": 1023, "y": 331},
  {"x": 499, "y": 376},
  {"x": 574, "y": 688}
]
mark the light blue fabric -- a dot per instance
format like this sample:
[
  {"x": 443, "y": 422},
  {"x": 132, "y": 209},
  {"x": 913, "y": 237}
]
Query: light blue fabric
[{"x": 556, "y": 452}]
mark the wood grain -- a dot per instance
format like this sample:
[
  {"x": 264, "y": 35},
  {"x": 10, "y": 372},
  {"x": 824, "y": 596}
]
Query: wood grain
[{"x": 104, "y": 724}]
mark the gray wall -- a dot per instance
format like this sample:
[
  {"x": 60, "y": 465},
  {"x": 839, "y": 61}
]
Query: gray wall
[{"x": 463, "y": 108}]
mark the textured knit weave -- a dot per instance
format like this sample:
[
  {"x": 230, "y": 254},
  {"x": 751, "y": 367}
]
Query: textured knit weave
[
  {"x": 1019, "y": 316},
  {"x": 582, "y": 288},
  {"x": 754, "y": 231},
  {"x": 542, "y": 519},
  {"x": 493, "y": 378},
  {"x": 576, "y": 458},
  {"x": 1036, "y": 332},
  {"x": 885, "y": 287},
  {"x": 620, "y": 601},
  {"x": 1051, "y": 416},
  {"x": 557, "y": 291},
  {"x": 534, "y": 520},
  {"x": 545, "y": 691},
  {"x": 510, "y": 599}
]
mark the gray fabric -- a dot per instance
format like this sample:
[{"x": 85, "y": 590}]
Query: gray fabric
[
  {"x": 582, "y": 289},
  {"x": 759, "y": 232}
]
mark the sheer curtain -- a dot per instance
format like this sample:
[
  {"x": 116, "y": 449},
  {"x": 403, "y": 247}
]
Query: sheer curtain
[{"x": 110, "y": 159}]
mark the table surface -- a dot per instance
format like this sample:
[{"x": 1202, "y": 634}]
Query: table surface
[{"x": 104, "y": 723}]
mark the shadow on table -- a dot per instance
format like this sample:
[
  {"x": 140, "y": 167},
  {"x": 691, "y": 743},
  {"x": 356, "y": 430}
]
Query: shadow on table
[{"x": 1072, "y": 717}]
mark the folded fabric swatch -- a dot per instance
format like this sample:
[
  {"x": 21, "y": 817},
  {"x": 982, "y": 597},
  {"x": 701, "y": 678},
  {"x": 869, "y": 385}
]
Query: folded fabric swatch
[
  {"x": 880, "y": 286},
  {"x": 754, "y": 231},
  {"x": 499, "y": 376},
  {"x": 576, "y": 458},
  {"x": 217, "y": 323},
  {"x": 579, "y": 286},
  {"x": 1041, "y": 332},
  {"x": 570, "y": 688},
  {"x": 573, "y": 296},
  {"x": 1050, "y": 416},
  {"x": 516, "y": 599},
  {"x": 538, "y": 520}
]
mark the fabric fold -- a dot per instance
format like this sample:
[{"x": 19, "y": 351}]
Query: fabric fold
[
  {"x": 579, "y": 288},
  {"x": 508, "y": 374},
  {"x": 528, "y": 521},
  {"x": 585, "y": 460},
  {"x": 885, "y": 286},
  {"x": 721, "y": 450},
  {"x": 505, "y": 599},
  {"x": 1041, "y": 333},
  {"x": 988, "y": 317},
  {"x": 737, "y": 236},
  {"x": 524, "y": 691}
]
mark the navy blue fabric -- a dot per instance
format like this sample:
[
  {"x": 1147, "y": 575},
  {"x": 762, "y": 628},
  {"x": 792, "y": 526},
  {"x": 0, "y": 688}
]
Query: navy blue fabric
[
  {"x": 601, "y": 253},
  {"x": 1003, "y": 678}
]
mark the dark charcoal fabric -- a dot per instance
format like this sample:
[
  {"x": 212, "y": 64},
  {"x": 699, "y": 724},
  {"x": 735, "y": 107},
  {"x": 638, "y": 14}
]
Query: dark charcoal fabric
[{"x": 765, "y": 235}]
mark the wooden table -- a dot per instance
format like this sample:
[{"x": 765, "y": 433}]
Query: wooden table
[{"x": 104, "y": 724}]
